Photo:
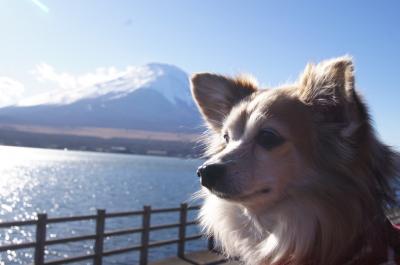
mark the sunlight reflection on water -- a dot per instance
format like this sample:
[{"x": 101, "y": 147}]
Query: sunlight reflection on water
[{"x": 64, "y": 183}]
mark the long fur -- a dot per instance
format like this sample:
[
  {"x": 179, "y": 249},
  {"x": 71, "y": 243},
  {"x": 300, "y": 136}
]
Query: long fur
[{"x": 339, "y": 210}]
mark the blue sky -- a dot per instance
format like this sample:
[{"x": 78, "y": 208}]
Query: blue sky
[{"x": 45, "y": 40}]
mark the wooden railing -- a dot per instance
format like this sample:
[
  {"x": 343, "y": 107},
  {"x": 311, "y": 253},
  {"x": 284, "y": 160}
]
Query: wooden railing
[{"x": 97, "y": 256}]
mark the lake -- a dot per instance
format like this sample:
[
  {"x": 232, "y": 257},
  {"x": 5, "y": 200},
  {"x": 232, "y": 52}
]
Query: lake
[{"x": 65, "y": 183}]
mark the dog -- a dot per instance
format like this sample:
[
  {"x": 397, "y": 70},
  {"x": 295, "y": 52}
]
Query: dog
[{"x": 296, "y": 174}]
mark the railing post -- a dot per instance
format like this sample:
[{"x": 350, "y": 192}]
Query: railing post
[
  {"x": 40, "y": 239},
  {"x": 182, "y": 230},
  {"x": 211, "y": 243},
  {"x": 145, "y": 235},
  {"x": 98, "y": 244}
]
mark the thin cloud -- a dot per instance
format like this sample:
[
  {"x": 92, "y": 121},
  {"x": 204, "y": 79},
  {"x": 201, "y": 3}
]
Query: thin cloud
[{"x": 10, "y": 91}]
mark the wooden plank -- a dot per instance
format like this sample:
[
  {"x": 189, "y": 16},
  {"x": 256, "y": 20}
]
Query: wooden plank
[
  {"x": 198, "y": 258},
  {"x": 171, "y": 261},
  {"x": 205, "y": 257}
]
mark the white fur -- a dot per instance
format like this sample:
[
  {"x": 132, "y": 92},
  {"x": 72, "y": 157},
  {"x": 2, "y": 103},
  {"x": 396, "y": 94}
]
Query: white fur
[{"x": 319, "y": 203}]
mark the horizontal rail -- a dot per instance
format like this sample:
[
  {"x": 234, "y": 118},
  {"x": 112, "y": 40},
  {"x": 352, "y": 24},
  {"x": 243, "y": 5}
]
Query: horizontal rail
[
  {"x": 18, "y": 223},
  {"x": 194, "y": 237},
  {"x": 123, "y": 214},
  {"x": 177, "y": 209},
  {"x": 69, "y": 239},
  {"x": 172, "y": 241},
  {"x": 151, "y": 228},
  {"x": 17, "y": 246},
  {"x": 166, "y": 210},
  {"x": 163, "y": 243},
  {"x": 160, "y": 227},
  {"x": 90, "y": 217},
  {"x": 71, "y": 219},
  {"x": 161, "y": 210},
  {"x": 123, "y": 232},
  {"x": 70, "y": 260}
]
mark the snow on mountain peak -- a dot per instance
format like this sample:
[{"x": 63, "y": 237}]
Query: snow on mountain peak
[
  {"x": 168, "y": 80},
  {"x": 171, "y": 82}
]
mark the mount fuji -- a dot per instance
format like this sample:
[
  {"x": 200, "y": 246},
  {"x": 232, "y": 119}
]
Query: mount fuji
[{"x": 153, "y": 97}]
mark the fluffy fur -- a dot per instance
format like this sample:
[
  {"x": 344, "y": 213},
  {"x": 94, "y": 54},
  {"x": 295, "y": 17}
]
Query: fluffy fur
[{"x": 322, "y": 196}]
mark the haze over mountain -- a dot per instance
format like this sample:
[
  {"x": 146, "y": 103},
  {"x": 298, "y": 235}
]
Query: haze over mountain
[{"x": 154, "y": 97}]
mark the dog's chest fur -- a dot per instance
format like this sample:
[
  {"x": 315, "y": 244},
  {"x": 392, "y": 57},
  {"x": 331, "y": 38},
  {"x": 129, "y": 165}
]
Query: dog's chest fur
[{"x": 257, "y": 241}]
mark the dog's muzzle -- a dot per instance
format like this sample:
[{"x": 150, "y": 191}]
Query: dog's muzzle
[{"x": 210, "y": 174}]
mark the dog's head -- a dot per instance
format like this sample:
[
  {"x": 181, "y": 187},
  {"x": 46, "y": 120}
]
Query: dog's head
[{"x": 266, "y": 143}]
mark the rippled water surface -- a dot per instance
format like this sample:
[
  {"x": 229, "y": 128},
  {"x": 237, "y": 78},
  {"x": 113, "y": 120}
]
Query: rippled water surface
[{"x": 65, "y": 183}]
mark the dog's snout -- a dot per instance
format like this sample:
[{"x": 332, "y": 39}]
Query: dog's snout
[{"x": 210, "y": 174}]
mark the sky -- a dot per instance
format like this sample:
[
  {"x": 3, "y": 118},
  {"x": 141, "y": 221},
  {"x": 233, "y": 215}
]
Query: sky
[{"x": 50, "y": 45}]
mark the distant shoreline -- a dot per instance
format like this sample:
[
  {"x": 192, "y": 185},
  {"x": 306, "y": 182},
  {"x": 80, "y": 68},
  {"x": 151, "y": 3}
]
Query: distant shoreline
[
  {"x": 143, "y": 143},
  {"x": 99, "y": 152}
]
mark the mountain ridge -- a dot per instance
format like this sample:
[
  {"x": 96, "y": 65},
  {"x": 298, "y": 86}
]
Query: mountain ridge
[{"x": 153, "y": 97}]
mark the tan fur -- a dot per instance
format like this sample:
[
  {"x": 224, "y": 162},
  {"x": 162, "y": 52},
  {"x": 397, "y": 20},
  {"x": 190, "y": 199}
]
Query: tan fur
[
  {"x": 224, "y": 92},
  {"x": 311, "y": 199}
]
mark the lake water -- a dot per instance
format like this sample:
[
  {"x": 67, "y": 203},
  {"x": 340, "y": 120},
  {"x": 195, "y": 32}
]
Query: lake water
[{"x": 65, "y": 183}]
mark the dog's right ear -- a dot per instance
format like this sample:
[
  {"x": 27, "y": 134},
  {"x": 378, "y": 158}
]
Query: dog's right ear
[{"x": 215, "y": 95}]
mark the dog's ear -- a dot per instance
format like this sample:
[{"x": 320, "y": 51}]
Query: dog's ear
[
  {"x": 215, "y": 95},
  {"x": 329, "y": 88},
  {"x": 328, "y": 82}
]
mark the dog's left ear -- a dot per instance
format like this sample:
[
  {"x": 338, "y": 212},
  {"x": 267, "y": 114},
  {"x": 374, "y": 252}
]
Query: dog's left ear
[
  {"x": 215, "y": 95},
  {"x": 329, "y": 82},
  {"x": 329, "y": 88}
]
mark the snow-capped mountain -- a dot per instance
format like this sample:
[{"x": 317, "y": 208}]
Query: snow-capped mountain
[{"x": 152, "y": 97}]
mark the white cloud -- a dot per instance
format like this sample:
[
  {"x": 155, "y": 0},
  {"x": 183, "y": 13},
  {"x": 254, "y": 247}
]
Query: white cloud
[
  {"x": 69, "y": 87},
  {"x": 59, "y": 87},
  {"x": 66, "y": 81},
  {"x": 44, "y": 72},
  {"x": 10, "y": 91}
]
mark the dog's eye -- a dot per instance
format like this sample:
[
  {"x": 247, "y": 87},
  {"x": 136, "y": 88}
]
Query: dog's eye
[
  {"x": 226, "y": 137},
  {"x": 269, "y": 139}
]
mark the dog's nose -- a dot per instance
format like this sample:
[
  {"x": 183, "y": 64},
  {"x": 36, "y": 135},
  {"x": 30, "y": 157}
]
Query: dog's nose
[{"x": 210, "y": 174}]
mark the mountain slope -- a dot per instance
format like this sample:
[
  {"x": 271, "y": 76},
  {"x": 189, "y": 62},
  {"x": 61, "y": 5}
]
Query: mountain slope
[{"x": 153, "y": 97}]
